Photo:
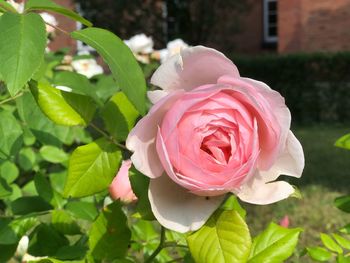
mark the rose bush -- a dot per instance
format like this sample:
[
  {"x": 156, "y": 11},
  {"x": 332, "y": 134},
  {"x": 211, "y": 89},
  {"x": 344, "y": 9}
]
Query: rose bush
[{"x": 212, "y": 132}]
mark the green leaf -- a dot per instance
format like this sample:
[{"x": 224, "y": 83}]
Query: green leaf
[
  {"x": 232, "y": 204},
  {"x": 343, "y": 203},
  {"x": 139, "y": 184},
  {"x": 274, "y": 244},
  {"x": 343, "y": 259},
  {"x": 7, "y": 235},
  {"x": 22, "y": 47},
  {"x": 83, "y": 210},
  {"x": 4, "y": 7},
  {"x": 109, "y": 236},
  {"x": 61, "y": 107},
  {"x": 65, "y": 223},
  {"x": 345, "y": 229},
  {"x": 10, "y": 134},
  {"x": 5, "y": 189},
  {"x": 29, "y": 204},
  {"x": 7, "y": 251},
  {"x": 43, "y": 187},
  {"x": 119, "y": 116},
  {"x": 345, "y": 243},
  {"x": 120, "y": 60},
  {"x": 53, "y": 154},
  {"x": 92, "y": 168},
  {"x": 9, "y": 171},
  {"x": 46, "y": 241},
  {"x": 319, "y": 253},
  {"x": 329, "y": 243},
  {"x": 105, "y": 87},
  {"x": 79, "y": 84},
  {"x": 224, "y": 238},
  {"x": 47, "y": 5},
  {"x": 26, "y": 159},
  {"x": 343, "y": 142},
  {"x": 71, "y": 253}
]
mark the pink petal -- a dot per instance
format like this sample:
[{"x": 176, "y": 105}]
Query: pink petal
[
  {"x": 141, "y": 139},
  {"x": 193, "y": 67},
  {"x": 177, "y": 209},
  {"x": 121, "y": 187},
  {"x": 285, "y": 221}
]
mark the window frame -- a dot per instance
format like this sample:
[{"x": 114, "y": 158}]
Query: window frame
[{"x": 267, "y": 38}]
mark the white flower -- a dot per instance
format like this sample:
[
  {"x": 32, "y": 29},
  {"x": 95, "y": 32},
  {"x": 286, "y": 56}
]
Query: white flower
[
  {"x": 18, "y": 6},
  {"x": 173, "y": 47},
  {"x": 140, "y": 44},
  {"x": 64, "y": 88},
  {"x": 50, "y": 19},
  {"x": 87, "y": 67}
]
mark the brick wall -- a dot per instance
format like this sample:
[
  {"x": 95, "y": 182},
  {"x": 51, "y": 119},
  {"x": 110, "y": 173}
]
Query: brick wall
[{"x": 313, "y": 25}]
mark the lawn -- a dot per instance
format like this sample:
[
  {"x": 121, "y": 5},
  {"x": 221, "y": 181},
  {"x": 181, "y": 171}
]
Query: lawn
[{"x": 326, "y": 176}]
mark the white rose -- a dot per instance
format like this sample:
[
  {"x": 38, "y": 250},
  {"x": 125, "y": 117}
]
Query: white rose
[
  {"x": 173, "y": 47},
  {"x": 87, "y": 67},
  {"x": 140, "y": 44}
]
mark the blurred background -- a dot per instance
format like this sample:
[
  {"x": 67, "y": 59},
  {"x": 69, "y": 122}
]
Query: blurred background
[{"x": 299, "y": 47}]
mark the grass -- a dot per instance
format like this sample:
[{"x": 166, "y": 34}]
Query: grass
[{"x": 326, "y": 176}]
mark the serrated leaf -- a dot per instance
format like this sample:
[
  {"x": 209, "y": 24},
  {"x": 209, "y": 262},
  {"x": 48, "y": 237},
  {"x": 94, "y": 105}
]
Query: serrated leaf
[
  {"x": 343, "y": 142},
  {"x": 22, "y": 47},
  {"x": 83, "y": 210},
  {"x": 29, "y": 204},
  {"x": 92, "y": 168},
  {"x": 48, "y": 5},
  {"x": 224, "y": 238},
  {"x": 65, "y": 223},
  {"x": 119, "y": 116},
  {"x": 345, "y": 243},
  {"x": 61, "y": 107},
  {"x": 46, "y": 241},
  {"x": 329, "y": 243},
  {"x": 120, "y": 60},
  {"x": 53, "y": 154},
  {"x": 10, "y": 134},
  {"x": 274, "y": 244},
  {"x": 139, "y": 184},
  {"x": 319, "y": 253},
  {"x": 343, "y": 203},
  {"x": 109, "y": 236}
]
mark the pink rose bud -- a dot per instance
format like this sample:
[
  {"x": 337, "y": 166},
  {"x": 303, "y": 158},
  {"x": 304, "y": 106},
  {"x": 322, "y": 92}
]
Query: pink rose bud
[
  {"x": 285, "y": 221},
  {"x": 211, "y": 132},
  {"x": 121, "y": 187}
]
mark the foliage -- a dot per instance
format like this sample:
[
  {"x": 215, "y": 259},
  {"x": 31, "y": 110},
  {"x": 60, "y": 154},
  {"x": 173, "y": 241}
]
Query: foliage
[
  {"x": 315, "y": 86},
  {"x": 62, "y": 142}
]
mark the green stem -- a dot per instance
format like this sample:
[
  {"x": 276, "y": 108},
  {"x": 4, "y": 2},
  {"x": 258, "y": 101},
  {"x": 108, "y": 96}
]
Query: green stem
[
  {"x": 159, "y": 248},
  {"x": 174, "y": 244},
  {"x": 58, "y": 28},
  {"x": 104, "y": 134},
  {"x": 11, "y": 99}
]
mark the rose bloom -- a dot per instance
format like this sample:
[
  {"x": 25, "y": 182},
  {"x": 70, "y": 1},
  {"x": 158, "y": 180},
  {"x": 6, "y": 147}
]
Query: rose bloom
[
  {"x": 121, "y": 187},
  {"x": 87, "y": 67},
  {"x": 140, "y": 44},
  {"x": 211, "y": 132}
]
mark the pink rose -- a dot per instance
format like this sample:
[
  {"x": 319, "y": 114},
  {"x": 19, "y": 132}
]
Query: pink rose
[
  {"x": 285, "y": 221},
  {"x": 121, "y": 187},
  {"x": 211, "y": 132}
]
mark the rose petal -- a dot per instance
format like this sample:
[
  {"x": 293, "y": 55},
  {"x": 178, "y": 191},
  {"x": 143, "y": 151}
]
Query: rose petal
[
  {"x": 261, "y": 193},
  {"x": 192, "y": 68},
  {"x": 141, "y": 139},
  {"x": 291, "y": 162},
  {"x": 176, "y": 208},
  {"x": 156, "y": 95}
]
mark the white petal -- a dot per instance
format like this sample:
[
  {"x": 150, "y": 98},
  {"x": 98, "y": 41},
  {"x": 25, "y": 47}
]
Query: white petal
[
  {"x": 264, "y": 194},
  {"x": 156, "y": 95},
  {"x": 141, "y": 139},
  {"x": 177, "y": 209},
  {"x": 291, "y": 162},
  {"x": 193, "y": 67}
]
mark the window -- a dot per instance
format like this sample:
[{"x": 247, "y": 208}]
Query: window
[{"x": 270, "y": 21}]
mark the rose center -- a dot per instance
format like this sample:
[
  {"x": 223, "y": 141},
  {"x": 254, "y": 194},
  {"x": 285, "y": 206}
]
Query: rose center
[{"x": 218, "y": 145}]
